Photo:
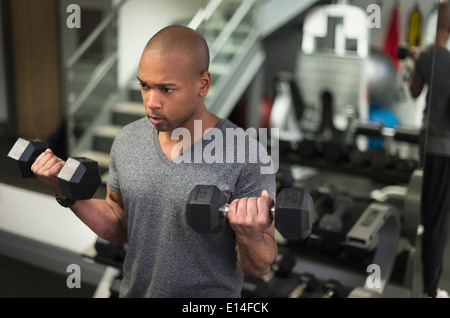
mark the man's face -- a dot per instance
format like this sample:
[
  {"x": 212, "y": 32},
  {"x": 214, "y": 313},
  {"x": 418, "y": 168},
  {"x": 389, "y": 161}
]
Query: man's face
[{"x": 171, "y": 90}]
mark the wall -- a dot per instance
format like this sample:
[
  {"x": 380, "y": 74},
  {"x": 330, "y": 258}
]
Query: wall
[
  {"x": 386, "y": 6},
  {"x": 283, "y": 45},
  {"x": 37, "y": 216},
  {"x": 34, "y": 31},
  {"x": 139, "y": 21},
  {"x": 3, "y": 96},
  {"x": 69, "y": 36}
]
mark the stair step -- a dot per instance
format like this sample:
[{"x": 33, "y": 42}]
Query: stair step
[
  {"x": 130, "y": 107},
  {"x": 212, "y": 30},
  {"x": 101, "y": 157},
  {"x": 103, "y": 162},
  {"x": 127, "y": 112},
  {"x": 218, "y": 69},
  {"x": 134, "y": 92},
  {"x": 105, "y": 177},
  {"x": 104, "y": 137},
  {"x": 230, "y": 48}
]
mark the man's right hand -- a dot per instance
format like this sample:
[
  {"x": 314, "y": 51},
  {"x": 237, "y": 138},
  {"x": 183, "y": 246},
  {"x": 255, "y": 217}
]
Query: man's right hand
[{"x": 46, "y": 167}]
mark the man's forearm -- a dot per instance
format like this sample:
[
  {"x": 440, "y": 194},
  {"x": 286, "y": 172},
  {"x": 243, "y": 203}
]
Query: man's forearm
[
  {"x": 100, "y": 216},
  {"x": 256, "y": 257}
]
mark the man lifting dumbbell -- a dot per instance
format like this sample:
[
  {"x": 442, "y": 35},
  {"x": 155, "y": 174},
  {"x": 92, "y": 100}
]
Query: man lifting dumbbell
[
  {"x": 207, "y": 211},
  {"x": 77, "y": 179},
  {"x": 146, "y": 193}
]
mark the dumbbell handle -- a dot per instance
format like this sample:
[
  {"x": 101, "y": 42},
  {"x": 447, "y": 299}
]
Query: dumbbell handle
[{"x": 223, "y": 210}]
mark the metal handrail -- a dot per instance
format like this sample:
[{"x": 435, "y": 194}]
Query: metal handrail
[
  {"x": 204, "y": 14},
  {"x": 93, "y": 36},
  {"x": 103, "y": 69},
  {"x": 232, "y": 24}
]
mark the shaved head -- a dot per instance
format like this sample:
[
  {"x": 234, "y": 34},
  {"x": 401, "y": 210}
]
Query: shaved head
[
  {"x": 174, "y": 79},
  {"x": 177, "y": 38}
]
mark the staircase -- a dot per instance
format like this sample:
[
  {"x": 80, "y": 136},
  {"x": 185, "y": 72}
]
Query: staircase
[
  {"x": 236, "y": 56},
  {"x": 122, "y": 113}
]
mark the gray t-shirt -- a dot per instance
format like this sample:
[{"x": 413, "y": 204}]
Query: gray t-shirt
[
  {"x": 436, "y": 114},
  {"x": 165, "y": 256}
]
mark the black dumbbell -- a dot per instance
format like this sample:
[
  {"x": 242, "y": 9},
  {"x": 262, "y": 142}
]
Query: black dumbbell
[
  {"x": 374, "y": 130},
  {"x": 78, "y": 179},
  {"x": 324, "y": 196},
  {"x": 281, "y": 268},
  {"x": 307, "y": 282},
  {"x": 334, "y": 222},
  {"x": 207, "y": 209}
]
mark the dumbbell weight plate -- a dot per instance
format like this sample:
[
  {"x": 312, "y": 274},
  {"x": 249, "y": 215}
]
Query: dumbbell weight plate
[
  {"x": 23, "y": 154},
  {"x": 202, "y": 208},
  {"x": 80, "y": 178},
  {"x": 293, "y": 216}
]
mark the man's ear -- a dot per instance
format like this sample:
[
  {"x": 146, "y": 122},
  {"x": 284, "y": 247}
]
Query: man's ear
[{"x": 205, "y": 83}]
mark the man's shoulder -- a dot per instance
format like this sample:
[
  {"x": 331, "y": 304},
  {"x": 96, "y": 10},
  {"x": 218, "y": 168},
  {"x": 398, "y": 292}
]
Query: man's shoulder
[
  {"x": 229, "y": 127},
  {"x": 134, "y": 128},
  {"x": 225, "y": 123}
]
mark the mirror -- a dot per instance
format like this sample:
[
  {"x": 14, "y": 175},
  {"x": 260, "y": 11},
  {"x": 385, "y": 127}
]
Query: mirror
[
  {"x": 352, "y": 70},
  {"x": 432, "y": 75}
]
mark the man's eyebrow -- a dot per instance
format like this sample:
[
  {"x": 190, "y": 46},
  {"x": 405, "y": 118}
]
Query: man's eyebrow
[{"x": 158, "y": 84}]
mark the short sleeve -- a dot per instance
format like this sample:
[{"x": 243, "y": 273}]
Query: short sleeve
[{"x": 113, "y": 179}]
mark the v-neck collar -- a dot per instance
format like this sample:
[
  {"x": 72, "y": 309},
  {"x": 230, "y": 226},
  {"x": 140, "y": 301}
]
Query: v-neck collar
[{"x": 187, "y": 152}]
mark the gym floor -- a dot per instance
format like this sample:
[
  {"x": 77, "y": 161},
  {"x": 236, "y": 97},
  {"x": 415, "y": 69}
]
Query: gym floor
[{"x": 15, "y": 276}]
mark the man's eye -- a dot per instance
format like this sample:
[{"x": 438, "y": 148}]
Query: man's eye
[
  {"x": 143, "y": 85},
  {"x": 166, "y": 90}
]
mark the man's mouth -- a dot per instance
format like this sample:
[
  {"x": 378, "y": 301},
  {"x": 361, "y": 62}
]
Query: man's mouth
[{"x": 155, "y": 120}]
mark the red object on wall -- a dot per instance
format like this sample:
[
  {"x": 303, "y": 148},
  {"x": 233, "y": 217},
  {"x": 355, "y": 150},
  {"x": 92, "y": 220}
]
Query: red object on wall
[{"x": 392, "y": 39}]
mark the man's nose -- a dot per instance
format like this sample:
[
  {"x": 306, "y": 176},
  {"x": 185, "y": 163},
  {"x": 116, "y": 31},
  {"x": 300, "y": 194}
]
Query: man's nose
[{"x": 152, "y": 99}]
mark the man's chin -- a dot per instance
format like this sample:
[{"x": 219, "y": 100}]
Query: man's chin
[{"x": 161, "y": 127}]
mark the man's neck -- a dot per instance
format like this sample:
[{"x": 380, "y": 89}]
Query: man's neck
[{"x": 195, "y": 128}]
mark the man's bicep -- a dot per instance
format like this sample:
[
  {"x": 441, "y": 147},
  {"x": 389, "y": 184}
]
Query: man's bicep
[{"x": 115, "y": 201}]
